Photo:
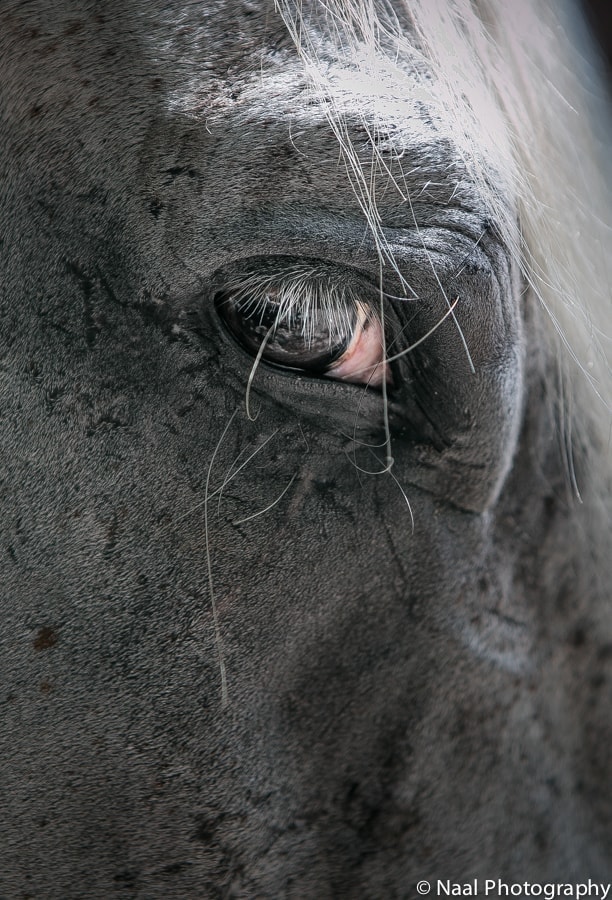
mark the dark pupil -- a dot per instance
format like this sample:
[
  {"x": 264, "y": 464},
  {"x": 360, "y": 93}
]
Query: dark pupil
[{"x": 299, "y": 339}]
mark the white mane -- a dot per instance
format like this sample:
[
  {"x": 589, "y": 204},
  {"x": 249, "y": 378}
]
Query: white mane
[{"x": 521, "y": 101}]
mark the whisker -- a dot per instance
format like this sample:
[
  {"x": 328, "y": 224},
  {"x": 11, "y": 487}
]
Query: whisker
[
  {"x": 424, "y": 337},
  {"x": 403, "y": 492},
  {"x": 412, "y": 346},
  {"x": 440, "y": 285},
  {"x": 270, "y": 506},
  {"x": 227, "y": 479},
  {"x": 467, "y": 256},
  {"x": 230, "y": 478},
  {"x": 213, "y": 602},
  {"x": 252, "y": 374},
  {"x": 387, "y": 427}
]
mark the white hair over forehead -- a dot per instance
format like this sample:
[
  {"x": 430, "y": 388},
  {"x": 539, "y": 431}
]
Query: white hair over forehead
[{"x": 521, "y": 100}]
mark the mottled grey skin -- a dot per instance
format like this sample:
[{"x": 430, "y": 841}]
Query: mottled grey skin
[{"x": 403, "y": 704}]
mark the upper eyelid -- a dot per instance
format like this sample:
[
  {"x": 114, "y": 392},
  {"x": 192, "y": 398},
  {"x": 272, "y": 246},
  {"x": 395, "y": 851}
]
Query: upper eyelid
[
  {"x": 307, "y": 279},
  {"x": 297, "y": 286},
  {"x": 340, "y": 280}
]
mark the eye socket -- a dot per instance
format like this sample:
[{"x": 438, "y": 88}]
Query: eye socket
[{"x": 308, "y": 320}]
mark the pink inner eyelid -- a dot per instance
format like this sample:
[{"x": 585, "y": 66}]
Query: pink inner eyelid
[{"x": 363, "y": 360}]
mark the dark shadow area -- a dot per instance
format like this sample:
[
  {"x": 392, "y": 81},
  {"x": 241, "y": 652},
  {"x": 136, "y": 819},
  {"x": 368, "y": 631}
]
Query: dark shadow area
[{"x": 599, "y": 16}]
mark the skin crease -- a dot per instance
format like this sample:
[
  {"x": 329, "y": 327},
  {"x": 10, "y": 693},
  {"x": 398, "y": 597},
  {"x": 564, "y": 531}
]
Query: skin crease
[{"x": 413, "y": 692}]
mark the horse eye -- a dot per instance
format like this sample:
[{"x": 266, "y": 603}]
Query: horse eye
[{"x": 342, "y": 340}]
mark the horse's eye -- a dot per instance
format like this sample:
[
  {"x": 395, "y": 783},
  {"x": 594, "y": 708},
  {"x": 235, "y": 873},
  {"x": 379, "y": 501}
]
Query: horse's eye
[{"x": 299, "y": 326}]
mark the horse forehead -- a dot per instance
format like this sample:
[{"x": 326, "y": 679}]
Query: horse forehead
[
  {"x": 364, "y": 100},
  {"x": 234, "y": 69},
  {"x": 387, "y": 107},
  {"x": 351, "y": 112}
]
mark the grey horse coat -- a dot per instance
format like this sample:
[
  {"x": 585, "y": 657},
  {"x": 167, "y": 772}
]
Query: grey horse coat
[{"x": 244, "y": 652}]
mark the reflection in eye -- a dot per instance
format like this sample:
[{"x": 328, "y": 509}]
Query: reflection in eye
[
  {"x": 363, "y": 360},
  {"x": 303, "y": 320}
]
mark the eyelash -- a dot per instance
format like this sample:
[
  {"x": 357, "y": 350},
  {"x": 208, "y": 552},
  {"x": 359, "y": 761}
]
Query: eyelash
[{"x": 300, "y": 294}]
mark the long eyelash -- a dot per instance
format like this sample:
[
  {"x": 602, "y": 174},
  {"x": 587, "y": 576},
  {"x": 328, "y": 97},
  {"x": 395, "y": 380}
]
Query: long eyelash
[{"x": 308, "y": 299}]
